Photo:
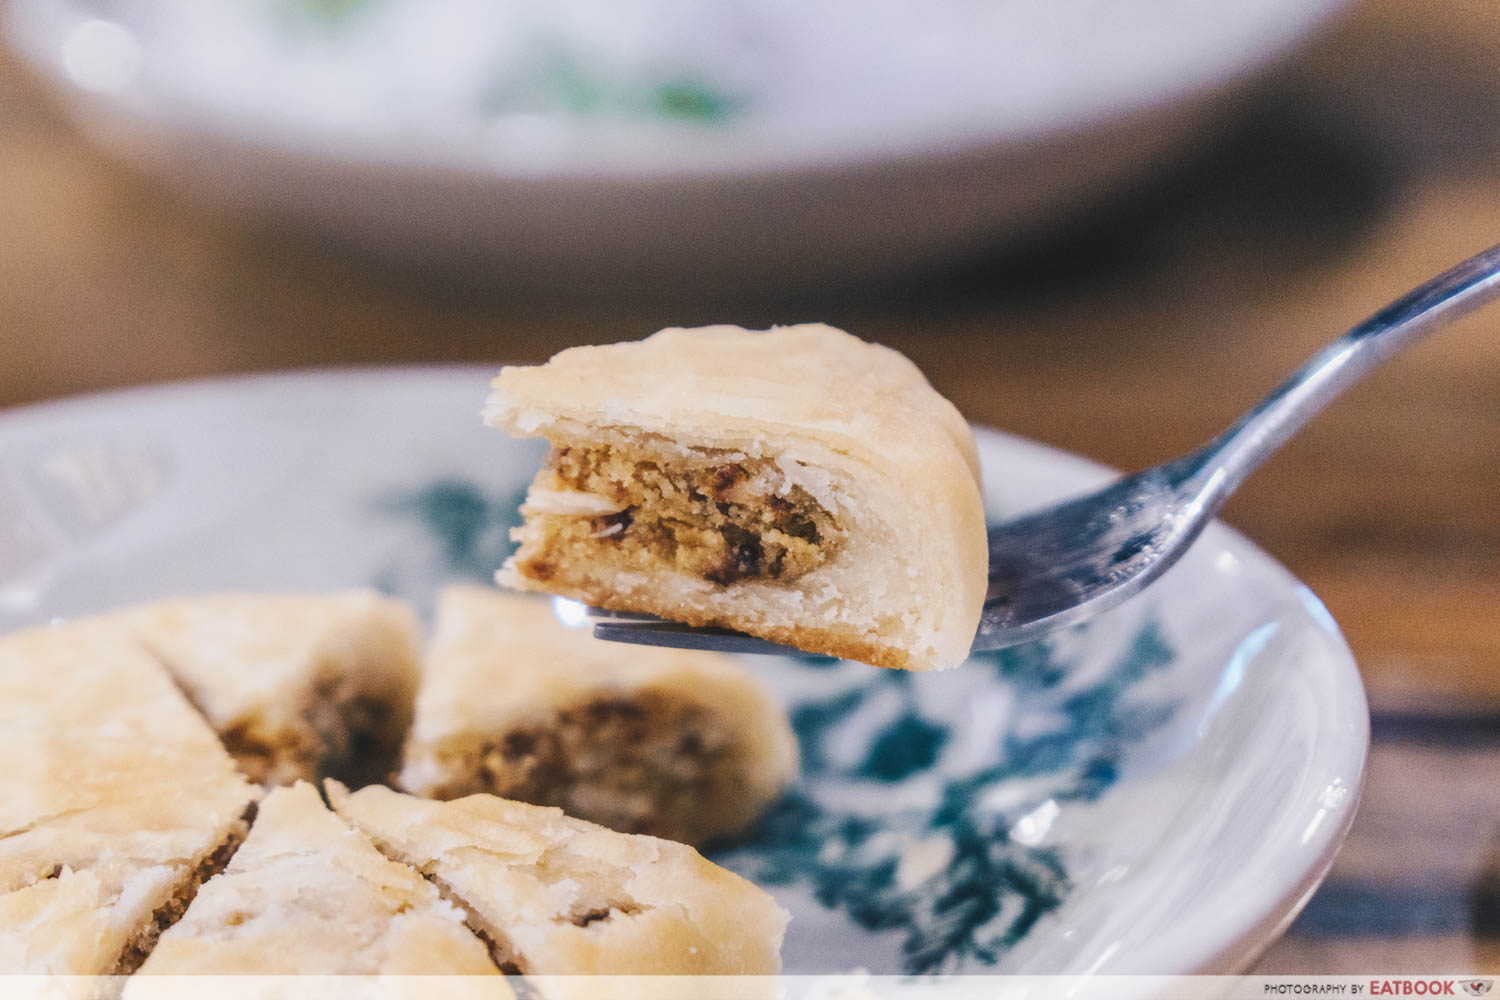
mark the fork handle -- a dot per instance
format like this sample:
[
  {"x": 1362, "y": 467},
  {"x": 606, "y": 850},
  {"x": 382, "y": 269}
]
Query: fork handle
[{"x": 1223, "y": 464}]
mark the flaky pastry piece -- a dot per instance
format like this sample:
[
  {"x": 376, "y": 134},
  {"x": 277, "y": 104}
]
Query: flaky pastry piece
[
  {"x": 556, "y": 896},
  {"x": 307, "y": 893},
  {"x": 684, "y": 745},
  {"x": 797, "y": 484},
  {"x": 298, "y": 685},
  {"x": 116, "y": 801}
]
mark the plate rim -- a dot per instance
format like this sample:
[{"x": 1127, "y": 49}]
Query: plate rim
[{"x": 1255, "y": 926}]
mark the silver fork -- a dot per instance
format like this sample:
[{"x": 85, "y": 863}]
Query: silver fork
[{"x": 1061, "y": 565}]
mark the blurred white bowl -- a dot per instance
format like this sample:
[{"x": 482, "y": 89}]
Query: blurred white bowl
[{"x": 874, "y": 135}]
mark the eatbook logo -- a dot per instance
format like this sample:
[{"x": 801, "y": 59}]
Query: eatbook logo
[{"x": 1476, "y": 987}]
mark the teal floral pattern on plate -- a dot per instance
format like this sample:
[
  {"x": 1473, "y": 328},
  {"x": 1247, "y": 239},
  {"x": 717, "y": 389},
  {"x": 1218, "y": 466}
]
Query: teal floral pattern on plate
[{"x": 911, "y": 816}]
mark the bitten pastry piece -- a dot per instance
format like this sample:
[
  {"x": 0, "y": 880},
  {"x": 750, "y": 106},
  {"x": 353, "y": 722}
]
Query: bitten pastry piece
[
  {"x": 116, "y": 801},
  {"x": 306, "y": 893},
  {"x": 298, "y": 685},
  {"x": 683, "y": 745},
  {"x": 797, "y": 484},
  {"x": 558, "y": 896}
]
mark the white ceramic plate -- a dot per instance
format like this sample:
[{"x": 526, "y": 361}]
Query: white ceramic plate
[
  {"x": 1156, "y": 792},
  {"x": 875, "y": 135}
]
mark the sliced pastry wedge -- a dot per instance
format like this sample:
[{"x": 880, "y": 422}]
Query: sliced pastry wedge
[
  {"x": 683, "y": 745},
  {"x": 797, "y": 484},
  {"x": 116, "y": 801},
  {"x": 308, "y": 894},
  {"x": 556, "y": 896},
  {"x": 298, "y": 685}
]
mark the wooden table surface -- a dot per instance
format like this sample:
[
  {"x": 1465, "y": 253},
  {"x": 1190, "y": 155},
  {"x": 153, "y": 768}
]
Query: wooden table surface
[{"x": 1130, "y": 333}]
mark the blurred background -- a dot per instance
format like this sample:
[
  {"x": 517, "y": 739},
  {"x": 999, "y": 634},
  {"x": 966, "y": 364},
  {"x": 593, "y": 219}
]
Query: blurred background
[{"x": 1110, "y": 227}]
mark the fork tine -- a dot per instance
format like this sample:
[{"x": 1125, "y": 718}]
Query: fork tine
[
  {"x": 685, "y": 637},
  {"x": 606, "y": 615}
]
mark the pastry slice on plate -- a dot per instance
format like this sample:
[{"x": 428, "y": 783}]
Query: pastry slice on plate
[
  {"x": 684, "y": 745},
  {"x": 306, "y": 893},
  {"x": 116, "y": 801},
  {"x": 74, "y": 923},
  {"x": 797, "y": 484},
  {"x": 556, "y": 896},
  {"x": 298, "y": 685}
]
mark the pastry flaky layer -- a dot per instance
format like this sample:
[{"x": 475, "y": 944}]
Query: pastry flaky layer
[
  {"x": 797, "y": 484},
  {"x": 307, "y": 893},
  {"x": 116, "y": 801},
  {"x": 684, "y": 745},
  {"x": 556, "y": 896},
  {"x": 298, "y": 685}
]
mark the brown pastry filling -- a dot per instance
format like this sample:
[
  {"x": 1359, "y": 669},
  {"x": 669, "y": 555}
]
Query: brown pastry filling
[
  {"x": 359, "y": 734},
  {"x": 348, "y": 734},
  {"x": 724, "y": 521},
  {"x": 652, "y": 764}
]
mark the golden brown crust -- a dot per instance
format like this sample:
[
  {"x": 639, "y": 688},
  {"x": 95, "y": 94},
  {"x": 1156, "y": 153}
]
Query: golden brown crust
[
  {"x": 680, "y": 744},
  {"x": 844, "y": 643},
  {"x": 900, "y": 569}
]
